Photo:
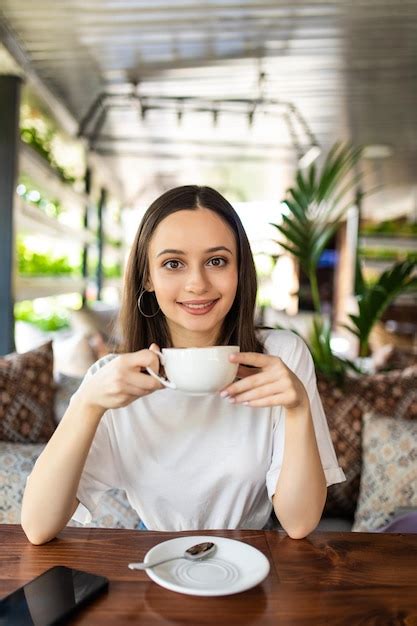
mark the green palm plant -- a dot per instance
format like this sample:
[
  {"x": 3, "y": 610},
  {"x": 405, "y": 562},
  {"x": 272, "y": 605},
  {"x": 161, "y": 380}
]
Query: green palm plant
[
  {"x": 317, "y": 205},
  {"x": 328, "y": 363},
  {"x": 374, "y": 298}
]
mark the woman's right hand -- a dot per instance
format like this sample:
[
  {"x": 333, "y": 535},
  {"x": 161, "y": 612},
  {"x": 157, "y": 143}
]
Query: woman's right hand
[{"x": 121, "y": 381}]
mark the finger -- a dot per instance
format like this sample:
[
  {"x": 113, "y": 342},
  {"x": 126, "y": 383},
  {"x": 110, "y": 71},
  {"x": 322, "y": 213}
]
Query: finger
[
  {"x": 255, "y": 359},
  {"x": 127, "y": 389},
  {"x": 274, "y": 400},
  {"x": 154, "y": 347},
  {"x": 244, "y": 372},
  {"x": 263, "y": 391},
  {"x": 135, "y": 391},
  {"x": 245, "y": 384},
  {"x": 142, "y": 358},
  {"x": 142, "y": 381}
]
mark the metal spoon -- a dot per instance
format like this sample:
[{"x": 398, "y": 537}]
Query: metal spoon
[{"x": 195, "y": 553}]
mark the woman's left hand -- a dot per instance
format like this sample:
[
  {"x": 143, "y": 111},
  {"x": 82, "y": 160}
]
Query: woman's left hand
[{"x": 273, "y": 384}]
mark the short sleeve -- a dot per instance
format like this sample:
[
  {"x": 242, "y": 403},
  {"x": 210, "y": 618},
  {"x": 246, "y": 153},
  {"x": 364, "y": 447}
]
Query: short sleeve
[
  {"x": 297, "y": 357},
  {"x": 100, "y": 471}
]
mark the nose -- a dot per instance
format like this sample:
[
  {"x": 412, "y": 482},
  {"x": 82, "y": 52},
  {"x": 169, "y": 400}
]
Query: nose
[{"x": 197, "y": 281}]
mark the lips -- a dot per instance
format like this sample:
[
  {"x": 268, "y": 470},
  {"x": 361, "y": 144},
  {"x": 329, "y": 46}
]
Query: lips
[{"x": 198, "y": 307}]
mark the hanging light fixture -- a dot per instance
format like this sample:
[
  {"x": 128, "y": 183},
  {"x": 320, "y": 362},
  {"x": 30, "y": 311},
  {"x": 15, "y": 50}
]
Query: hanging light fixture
[
  {"x": 180, "y": 114},
  {"x": 304, "y": 142},
  {"x": 306, "y": 155},
  {"x": 251, "y": 116},
  {"x": 308, "y": 158}
]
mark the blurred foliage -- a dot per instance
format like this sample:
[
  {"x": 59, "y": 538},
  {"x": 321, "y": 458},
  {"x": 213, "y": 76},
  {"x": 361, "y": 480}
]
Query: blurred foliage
[
  {"x": 396, "y": 228},
  {"x": 41, "y": 143},
  {"x": 328, "y": 363},
  {"x": 39, "y": 130},
  {"x": 317, "y": 204},
  {"x": 110, "y": 270},
  {"x": 373, "y": 299},
  {"x": 42, "y": 264},
  {"x": 386, "y": 254},
  {"x": 115, "y": 243},
  {"x": 29, "y": 192},
  {"x": 51, "y": 321}
]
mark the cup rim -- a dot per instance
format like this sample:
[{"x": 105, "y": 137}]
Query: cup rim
[{"x": 195, "y": 348}]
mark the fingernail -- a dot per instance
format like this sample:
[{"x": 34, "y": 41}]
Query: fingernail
[{"x": 224, "y": 394}]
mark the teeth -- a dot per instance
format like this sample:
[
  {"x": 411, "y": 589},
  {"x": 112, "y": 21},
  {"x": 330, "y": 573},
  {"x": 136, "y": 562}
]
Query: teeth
[{"x": 198, "y": 306}]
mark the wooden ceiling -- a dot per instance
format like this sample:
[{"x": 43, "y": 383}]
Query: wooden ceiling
[{"x": 349, "y": 68}]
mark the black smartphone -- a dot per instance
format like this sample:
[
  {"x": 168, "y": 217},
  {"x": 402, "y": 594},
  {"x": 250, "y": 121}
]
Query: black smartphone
[{"x": 51, "y": 597}]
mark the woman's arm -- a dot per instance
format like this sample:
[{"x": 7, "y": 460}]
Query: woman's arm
[
  {"x": 50, "y": 495},
  {"x": 300, "y": 494},
  {"x": 301, "y": 489},
  {"x": 50, "y": 499}
]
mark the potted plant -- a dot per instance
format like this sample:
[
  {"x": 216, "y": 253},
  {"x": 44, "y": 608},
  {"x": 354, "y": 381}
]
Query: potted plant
[
  {"x": 373, "y": 299},
  {"x": 317, "y": 204}
]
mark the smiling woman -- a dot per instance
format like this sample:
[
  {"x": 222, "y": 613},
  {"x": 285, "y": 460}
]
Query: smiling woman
[
  {"x": 259, "y": 443},
  {"x": 192, "y": 245},
  {"x": 195, "y": 282}
]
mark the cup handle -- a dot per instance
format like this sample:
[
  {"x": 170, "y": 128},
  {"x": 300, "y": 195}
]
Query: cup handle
[{"x": 163, "y": 381}]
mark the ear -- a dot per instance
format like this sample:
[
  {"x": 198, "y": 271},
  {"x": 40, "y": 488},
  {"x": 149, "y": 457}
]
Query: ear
[{"x": 148, "y": 285}]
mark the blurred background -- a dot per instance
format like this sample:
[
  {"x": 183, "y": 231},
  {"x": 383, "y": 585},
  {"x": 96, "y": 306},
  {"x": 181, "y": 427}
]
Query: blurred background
[{"x": 105, "y": 104}]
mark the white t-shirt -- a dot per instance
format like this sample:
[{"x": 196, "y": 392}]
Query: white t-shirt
[{"x": 194, "y": 463}]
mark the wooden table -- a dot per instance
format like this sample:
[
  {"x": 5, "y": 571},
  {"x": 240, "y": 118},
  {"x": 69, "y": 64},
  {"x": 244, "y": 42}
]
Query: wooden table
[{"x": 328, "y": 578}]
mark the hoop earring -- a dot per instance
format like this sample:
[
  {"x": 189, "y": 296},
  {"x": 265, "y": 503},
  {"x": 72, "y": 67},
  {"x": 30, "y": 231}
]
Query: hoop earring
[{"x": 140, "y": 307}]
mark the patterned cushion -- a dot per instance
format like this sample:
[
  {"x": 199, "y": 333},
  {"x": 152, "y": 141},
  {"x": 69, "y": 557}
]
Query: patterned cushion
[
  {"x": 391, "y": 393},
  {"x": 16, "y": 462},
  {"x": 389, "y": 471},
  {"x": 27, "y": 396}
]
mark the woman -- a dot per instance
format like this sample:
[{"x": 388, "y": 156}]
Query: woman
[{"x": 219, "y": 461}]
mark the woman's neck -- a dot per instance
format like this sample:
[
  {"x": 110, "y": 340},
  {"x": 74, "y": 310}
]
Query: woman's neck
[{"x": 183, "y": 339}]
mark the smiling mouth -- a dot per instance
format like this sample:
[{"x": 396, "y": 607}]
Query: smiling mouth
[{"x": 198, "y": 307}]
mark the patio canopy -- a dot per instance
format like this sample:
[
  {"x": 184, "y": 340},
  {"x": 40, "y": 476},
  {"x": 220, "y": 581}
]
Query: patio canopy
[{"x": 149, "y": 84}]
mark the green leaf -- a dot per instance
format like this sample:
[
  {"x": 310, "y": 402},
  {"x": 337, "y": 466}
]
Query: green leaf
[
  {"x": 325, "y": 361},
  {"x": 317, "y": 204},
  {"x": 296, "y": 210},
  {"x": 373, "y": 300}
]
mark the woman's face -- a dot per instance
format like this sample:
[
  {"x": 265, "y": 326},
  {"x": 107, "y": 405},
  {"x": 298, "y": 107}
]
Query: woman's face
[{"x": 193, "y": 270}]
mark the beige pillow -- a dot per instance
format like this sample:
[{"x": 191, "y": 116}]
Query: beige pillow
[
  {"x": 73, "y": 356},
  {"x": 90, "y": 321},
  {"x": 389, "y": 470}
]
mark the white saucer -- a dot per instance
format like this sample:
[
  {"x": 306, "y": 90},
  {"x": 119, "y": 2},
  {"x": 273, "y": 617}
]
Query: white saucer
[{"x": 234, "y": 567}]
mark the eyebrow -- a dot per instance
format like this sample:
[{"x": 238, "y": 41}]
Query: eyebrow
[{"x": 174, "y": 251}]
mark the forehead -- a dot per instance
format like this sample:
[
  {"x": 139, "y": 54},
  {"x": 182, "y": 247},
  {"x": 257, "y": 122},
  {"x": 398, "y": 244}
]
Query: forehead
[{"x": 189, "y": 229}]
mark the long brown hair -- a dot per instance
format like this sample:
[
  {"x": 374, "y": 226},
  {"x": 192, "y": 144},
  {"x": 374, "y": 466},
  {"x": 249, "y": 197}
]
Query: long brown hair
[{"x": 138, "y": 331}]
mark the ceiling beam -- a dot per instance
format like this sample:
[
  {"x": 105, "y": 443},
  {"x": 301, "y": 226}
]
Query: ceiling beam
[
  {"x": 86, "y": 8},
  {"x": 44, "y": 39}
]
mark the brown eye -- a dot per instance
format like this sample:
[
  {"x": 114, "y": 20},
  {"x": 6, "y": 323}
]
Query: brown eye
[
  {"x": 217, "y": 262},
  {"x": 172, "y": 264}
]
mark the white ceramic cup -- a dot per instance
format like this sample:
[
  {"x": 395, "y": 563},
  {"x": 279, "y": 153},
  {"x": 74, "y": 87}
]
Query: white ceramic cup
[{"x": 197, "y": 371}]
